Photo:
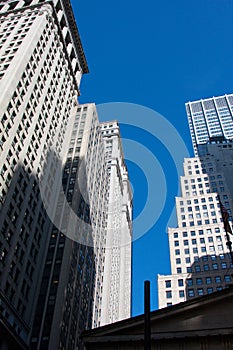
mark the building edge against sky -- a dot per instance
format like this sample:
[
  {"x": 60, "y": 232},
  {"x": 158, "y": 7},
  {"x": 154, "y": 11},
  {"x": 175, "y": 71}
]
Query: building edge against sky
[
  {"x": 40, "y": 78},
  {"x": 200, "y": 260}
]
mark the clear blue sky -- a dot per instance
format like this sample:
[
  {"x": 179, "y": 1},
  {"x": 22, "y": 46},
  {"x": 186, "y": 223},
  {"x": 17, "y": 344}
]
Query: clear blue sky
[{"x": 159, "y": 54}]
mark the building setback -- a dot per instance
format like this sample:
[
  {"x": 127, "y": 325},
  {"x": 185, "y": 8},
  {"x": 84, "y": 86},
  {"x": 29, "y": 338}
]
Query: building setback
[{"x": 199, "y": 255}]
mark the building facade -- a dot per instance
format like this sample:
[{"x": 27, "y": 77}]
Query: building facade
[
  {"x": 71, "y": 287},
  {"x": 199, "y": 255},
  {"x": 210, "y": 118},
  {"x": 55, "y": 186},
  {"x": 117, "y": 270},
  {"x": 41, "y": 66}
]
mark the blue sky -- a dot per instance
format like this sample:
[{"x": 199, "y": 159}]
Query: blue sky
[{"x": 158, "y": 54}]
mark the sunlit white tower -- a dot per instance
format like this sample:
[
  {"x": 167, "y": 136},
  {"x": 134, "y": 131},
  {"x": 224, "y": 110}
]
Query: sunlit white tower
[{"x": 116, "y": 298}]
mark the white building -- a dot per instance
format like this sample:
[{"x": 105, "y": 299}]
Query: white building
[
  {"x": 200, "y": 259},
  {"x": 41, "y": 64},
  {"x": 116, "y": 299}
]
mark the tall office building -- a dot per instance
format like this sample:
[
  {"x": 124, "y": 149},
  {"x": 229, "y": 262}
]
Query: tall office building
[
  {"x": 117, "y": 270},
  {"x": 210, "y": 118},
  {"x": 199, "y": 255},
  {"x": 54, "y": 184},
  {"x": 70, "y": 298},
  {"x": 42, "y": 62}
]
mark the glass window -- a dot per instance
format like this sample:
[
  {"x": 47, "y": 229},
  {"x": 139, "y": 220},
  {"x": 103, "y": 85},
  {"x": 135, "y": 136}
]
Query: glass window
[
  {"x": 180, "y": 282},
  {"x": 169, "y": 294},
  {"x": 168, "y": 283},
  {"x": 200, "y": 291},
  {"x": 191, "y": 292},
  {"x": 215, "y": 266},
  {"x": 227, "y": 278},
  {"x": 181, "y": 294}
]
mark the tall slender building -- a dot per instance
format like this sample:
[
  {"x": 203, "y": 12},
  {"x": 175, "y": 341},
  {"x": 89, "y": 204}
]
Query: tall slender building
[
  {"x": 200, "y": 259},
  {"x": 117, "y": 270},
  {"x": 71, "y": 286}
]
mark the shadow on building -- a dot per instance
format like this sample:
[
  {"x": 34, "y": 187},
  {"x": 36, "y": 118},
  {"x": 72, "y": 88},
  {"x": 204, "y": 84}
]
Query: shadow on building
[
  {"x": 208, "y": 274},
  {"x": 47, "y": 279}
]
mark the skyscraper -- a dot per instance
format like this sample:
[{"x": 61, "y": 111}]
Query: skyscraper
[
  {"x": 71, "y": 286},
  {"x": 42, "y": 62},
  {"x": 117, "y": 271},
  {"x": 209, "y": 119},
  {"x": 200, "y": 259},
  {"x": 54, "y": 186}
]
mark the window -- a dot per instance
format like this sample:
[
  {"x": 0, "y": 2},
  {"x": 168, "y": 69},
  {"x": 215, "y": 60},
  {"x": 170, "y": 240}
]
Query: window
[
  {"x": 180, "y": 282},
  {"x": 208, "y": 280},
  {"x": 224, "y": 265},
  {"x": 177, "y": 251},
  {"x": 200, "y": 291},
  {"x": 176, "y": 243},
  {"x": 199, "y": 281},
  {"x": 209, "y": 290},
  {"x": 186, "y": 251},
  {"x": 189, "y": 282},
  {"x": 181, "y": 294},
  {"x": 175, "y": 235},
  {"x": 215, "y": 266},
  {"x": 191, "y": 293},
  {"x": 227, "y": 278},
  {"x": 178, "y": 261},
  {"x": 186, "y": 242},
  {"x": 168, "y": 283},
  {"x": 217, "y": 279},
  {"x": 169, "y": 294}
]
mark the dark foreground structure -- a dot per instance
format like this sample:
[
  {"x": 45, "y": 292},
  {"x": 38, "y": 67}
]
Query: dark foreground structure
[{"x": 204, "y": 323}]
